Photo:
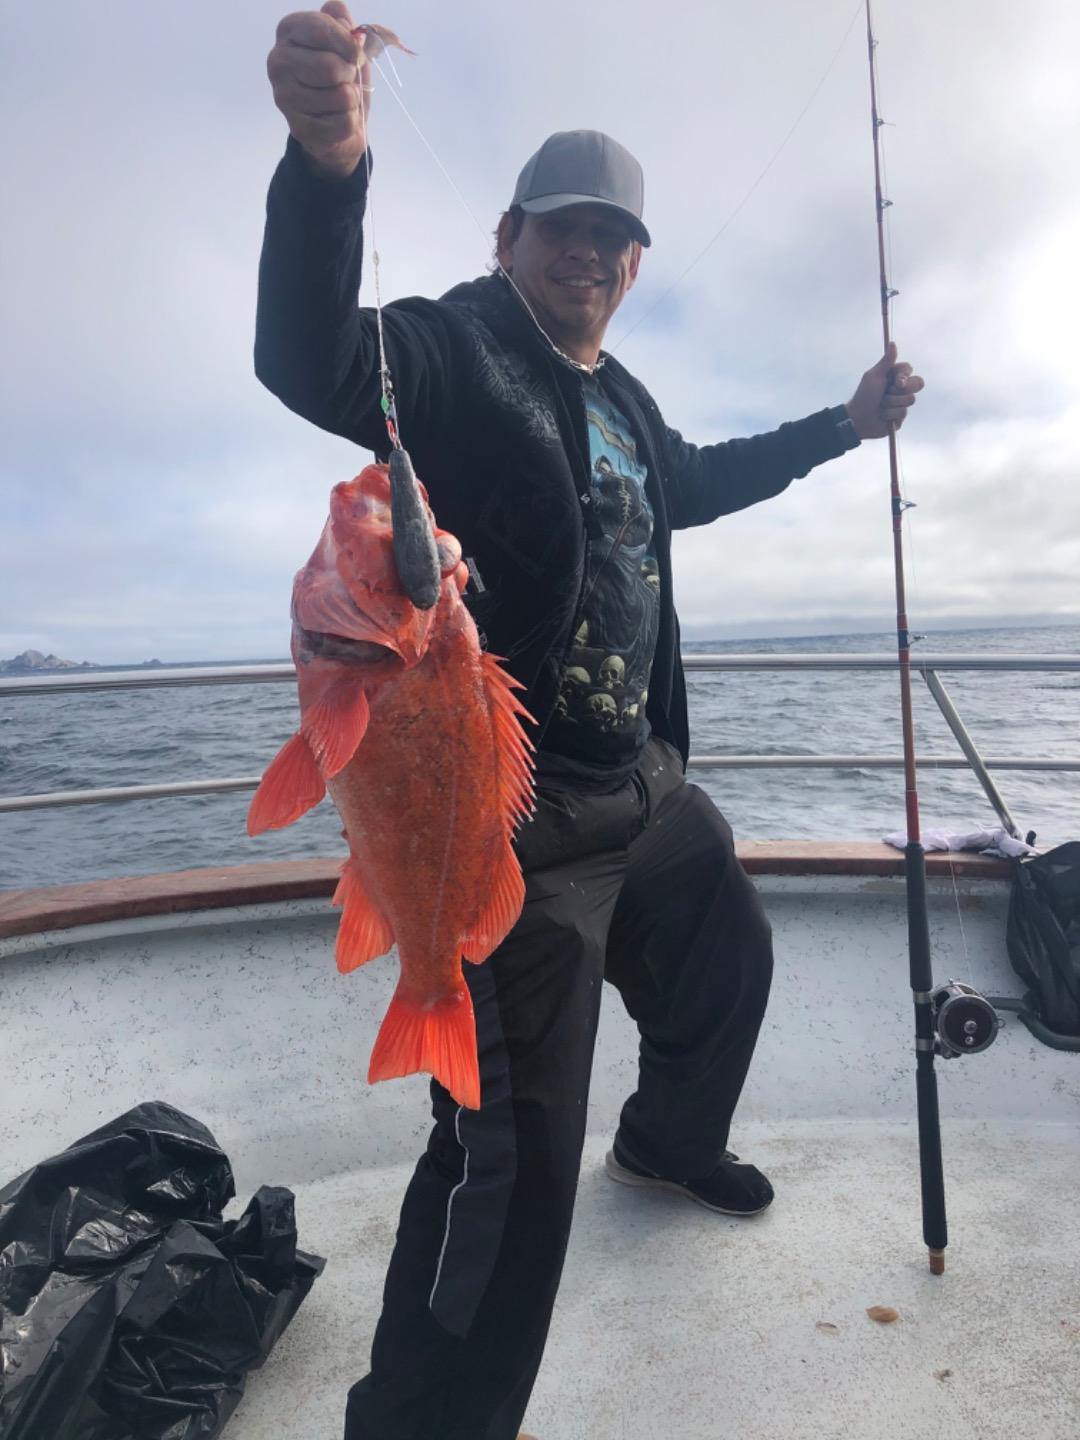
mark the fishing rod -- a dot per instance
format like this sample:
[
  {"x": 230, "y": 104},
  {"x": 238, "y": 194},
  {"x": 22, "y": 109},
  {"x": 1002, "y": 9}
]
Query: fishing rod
[{"x": 951, "y": 1019}]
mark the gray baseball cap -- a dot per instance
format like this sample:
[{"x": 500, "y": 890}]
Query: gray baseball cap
[{"x": 583, "y": 167}]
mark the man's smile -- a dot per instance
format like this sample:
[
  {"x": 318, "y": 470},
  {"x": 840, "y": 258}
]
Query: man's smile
[{"x": 572, "y": 266}]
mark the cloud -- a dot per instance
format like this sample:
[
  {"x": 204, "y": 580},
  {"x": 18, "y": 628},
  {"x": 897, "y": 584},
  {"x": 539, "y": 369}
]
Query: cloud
[{"x": 157, "y": 500}]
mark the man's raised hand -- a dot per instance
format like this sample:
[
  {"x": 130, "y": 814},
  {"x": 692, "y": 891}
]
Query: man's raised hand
[
  {"x": 322, "y": 85},
  {"x": 885, "y": 394}
]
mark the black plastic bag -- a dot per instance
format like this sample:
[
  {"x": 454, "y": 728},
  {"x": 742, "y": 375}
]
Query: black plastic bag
[
  {"x": 129, "y": 1310},
  {"x": 1043, "y": 935}
]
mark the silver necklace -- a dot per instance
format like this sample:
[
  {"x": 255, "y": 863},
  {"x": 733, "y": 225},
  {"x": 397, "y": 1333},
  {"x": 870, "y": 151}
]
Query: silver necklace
[{"x": 567, "y": 359}]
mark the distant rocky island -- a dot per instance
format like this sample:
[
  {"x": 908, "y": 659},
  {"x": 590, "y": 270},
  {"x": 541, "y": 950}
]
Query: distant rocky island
[{"x": 33, "y": 662}]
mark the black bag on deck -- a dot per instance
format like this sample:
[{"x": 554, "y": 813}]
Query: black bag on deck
[
  {"x": 129, "y": 1310},
  {"x": 1043, "y": 935}
]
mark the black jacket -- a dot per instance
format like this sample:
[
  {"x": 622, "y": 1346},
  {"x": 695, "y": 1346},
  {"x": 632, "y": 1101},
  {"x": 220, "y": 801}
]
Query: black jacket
[{"x": 495, "y": 424}]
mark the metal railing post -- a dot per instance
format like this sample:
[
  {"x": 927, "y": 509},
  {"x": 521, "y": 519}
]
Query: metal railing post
[{"x": 974, "y": 759}]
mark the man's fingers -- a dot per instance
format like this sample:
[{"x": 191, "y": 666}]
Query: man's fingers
[
  {"x": 311, "y": 30},
  {"x": 311, "y": 101},
  {"x": 896, "y": 409},
  {"x": 318, "y": 68},
  {"x": 909, "y": 384},
  {"x": 318, "y": 74},
  {"x": 888, "y": 360},
  {"x": 328, "y": 128},
  {"x": 338, "y": 11},
  {"x": 318, "y": 132}
]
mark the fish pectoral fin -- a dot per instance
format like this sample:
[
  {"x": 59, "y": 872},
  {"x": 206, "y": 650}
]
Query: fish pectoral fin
[
  {"x": 438, "y": 1040},
  {"x": 513, "y": 749},
  {"x": 335, "y": 723},
  {"x": 499, "y": 912},
  {"x": 364, "y": 932},
  {"x": 291, "y": 785}
]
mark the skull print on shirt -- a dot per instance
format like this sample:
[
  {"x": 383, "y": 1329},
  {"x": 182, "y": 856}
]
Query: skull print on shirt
[{"x": 600, "y": 717}]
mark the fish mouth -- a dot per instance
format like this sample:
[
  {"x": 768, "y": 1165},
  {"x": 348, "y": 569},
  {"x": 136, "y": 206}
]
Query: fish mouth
[{"x": 324, "y": 645}]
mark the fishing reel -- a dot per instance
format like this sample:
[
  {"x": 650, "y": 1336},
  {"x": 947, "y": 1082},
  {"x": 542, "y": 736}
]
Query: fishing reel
[{"x": 965, "y": 1022}]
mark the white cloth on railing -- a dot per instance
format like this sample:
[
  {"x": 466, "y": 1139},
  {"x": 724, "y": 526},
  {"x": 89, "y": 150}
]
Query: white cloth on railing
[{"x": 987, "y": 842}]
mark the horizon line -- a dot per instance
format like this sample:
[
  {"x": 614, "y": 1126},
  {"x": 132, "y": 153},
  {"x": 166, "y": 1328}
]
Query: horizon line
[{"x": 1041, "y": 623}]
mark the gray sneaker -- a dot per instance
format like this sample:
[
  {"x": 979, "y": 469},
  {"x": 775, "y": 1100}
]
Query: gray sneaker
[{"x": 731, "y": 1189}]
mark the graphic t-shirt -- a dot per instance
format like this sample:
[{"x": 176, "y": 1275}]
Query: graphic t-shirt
[{"x": 599, "y": 727}]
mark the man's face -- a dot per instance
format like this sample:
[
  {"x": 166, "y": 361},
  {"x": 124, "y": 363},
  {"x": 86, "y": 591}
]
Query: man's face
[{"x": 573, "y": 266}]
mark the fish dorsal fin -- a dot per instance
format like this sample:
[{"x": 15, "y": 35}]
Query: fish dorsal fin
[
  {"x": 291, "y": 785},
  {"x": 335, "y": 723},
  {"x": 364, "y": 932},
  {"x": 513, "y": 749},
  {"x": 502, "y": 904}
]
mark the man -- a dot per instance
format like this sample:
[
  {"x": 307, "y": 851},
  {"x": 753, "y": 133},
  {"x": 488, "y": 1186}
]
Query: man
[{"x": 554, "y": 468}]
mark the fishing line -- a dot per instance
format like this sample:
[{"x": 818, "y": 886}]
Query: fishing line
[
  {"x": 577, "y": 365},
  {"x": 700, "y": 256},
  {"x": 738, "y": 208},
  {"x": 937, "y": 783},
  {"x": 885, "y": 185},
  {"x": 393, "y": 67},
  {"x": 386, "y": 384},
  {"x": 936, "y": 778},
  {"x": 430, "y": 149}
]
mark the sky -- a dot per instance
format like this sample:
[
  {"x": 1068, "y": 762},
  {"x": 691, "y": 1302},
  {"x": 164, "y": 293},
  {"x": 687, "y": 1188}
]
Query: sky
[{"x": 155, "y": 501}]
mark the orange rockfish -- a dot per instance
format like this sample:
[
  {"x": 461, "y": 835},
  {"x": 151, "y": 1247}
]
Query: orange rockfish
[{"x": 414, "y": 730}]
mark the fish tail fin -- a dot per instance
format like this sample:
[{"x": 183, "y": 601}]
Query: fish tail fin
[
  {"x": 291, "y": 785},
  {"x": 499, "y": 912},
  {"x": 364, "y": 932},
  {"x": 439, "y": 1040}
]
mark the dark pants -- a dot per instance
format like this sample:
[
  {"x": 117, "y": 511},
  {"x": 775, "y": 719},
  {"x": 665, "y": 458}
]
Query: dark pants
[{"x": 641, "y": 888}]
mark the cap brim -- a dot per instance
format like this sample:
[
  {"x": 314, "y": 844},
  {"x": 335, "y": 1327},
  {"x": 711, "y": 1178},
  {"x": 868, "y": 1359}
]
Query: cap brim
[{"x": 543, "y": 203}]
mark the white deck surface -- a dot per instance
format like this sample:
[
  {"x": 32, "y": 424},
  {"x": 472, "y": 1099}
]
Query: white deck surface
[
  {"x": 676, "y": 1322},
  {"x": 671, "y": 1321}
]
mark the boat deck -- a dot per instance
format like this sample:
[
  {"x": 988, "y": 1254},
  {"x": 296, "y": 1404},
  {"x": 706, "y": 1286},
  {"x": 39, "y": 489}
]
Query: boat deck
[{"x": 670, "y": 1319}]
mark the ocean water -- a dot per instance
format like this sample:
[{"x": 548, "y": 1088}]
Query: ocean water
[{"x": 73, "y": 742}]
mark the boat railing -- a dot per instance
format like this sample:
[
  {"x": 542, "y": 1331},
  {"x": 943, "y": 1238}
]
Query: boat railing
[{"x": 929, "y": 666}]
